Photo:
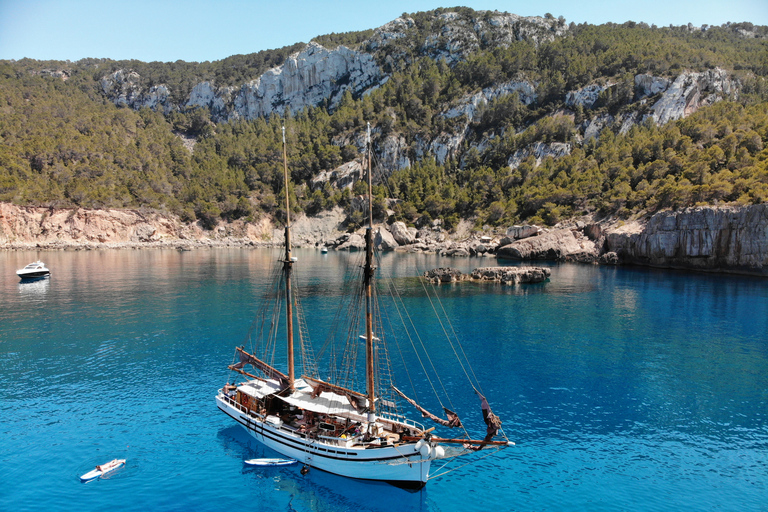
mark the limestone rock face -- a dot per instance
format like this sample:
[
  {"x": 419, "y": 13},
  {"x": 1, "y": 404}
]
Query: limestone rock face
[
  {"x": 691, "y": 91},
  {"x": 586, "y": 96},
  {"x": 306, "y": 78},
  {"x": 557, "y": 245},
  {"x": 520, "y": 232},
  {"x": 455, "y": 35},
  {"x": 401, "y": 233},
  {"x": 446, "y": 143},
  {"x": 649, "y": 85},
  {"x": 470, "y": 105},
  {"x": 394, "y": 154},
  {"x": 540, "y": 151},
  {"x": 594, "y": 126},
  {"x": 731, "y": 239},
  {"x": 384, "y": 240},
  {"x": 44, "y": 226},
  {"x": 218, "y": 100},
  {"x": 124, "y": 88},
  {"x": 344, "y": 176},
  {"x": 354, "y": 242}
]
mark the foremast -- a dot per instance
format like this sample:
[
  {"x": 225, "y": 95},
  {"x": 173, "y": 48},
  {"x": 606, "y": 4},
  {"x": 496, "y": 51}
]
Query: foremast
[
  {"x": 368, "y": 275},
  {"x": 287, "y": 270}
]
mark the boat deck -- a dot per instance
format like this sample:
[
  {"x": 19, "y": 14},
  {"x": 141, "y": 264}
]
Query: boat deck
[{"x": 329, "y": 429}]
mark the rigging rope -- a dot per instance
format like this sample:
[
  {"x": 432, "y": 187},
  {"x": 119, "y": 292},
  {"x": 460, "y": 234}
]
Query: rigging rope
[
  {"x": 474, "y": 461},
  {"x": 452, "y": 337}
]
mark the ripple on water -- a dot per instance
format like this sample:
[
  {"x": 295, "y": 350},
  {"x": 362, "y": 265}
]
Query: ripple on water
[{"x": 623, "y": 389}]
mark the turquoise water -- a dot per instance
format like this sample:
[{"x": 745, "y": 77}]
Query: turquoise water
[{"x": 624, "y": 389}]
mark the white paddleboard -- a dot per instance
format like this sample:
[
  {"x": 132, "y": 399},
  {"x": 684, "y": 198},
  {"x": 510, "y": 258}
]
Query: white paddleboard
[
  {"x": 103, "y": 469},
  {"x": 270, "y": 462}
]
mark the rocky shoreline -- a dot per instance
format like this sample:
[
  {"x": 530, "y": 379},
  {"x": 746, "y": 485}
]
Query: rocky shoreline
[{"x": 728, "y": 239}]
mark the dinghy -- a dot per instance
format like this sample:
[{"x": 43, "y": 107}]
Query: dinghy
[
  {"x": 103, "y": 469},
  {"x": 270, "y": 462}
]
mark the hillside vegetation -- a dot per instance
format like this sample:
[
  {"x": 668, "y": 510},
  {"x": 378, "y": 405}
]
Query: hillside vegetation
[{"x": 64, "y": 144}]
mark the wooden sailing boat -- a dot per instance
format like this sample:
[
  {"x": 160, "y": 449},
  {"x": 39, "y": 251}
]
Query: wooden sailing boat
[{"x": 325, "y": 423}]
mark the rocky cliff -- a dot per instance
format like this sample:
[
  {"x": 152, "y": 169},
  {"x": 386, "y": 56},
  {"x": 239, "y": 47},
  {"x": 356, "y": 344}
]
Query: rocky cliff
[
  {"x": 321, "y": 76},
  {"x": 557, "y": 245},
  {"x": 317, "y": 75},
  {"x": 718, "y": 239},
  {"x": 52, "y": 228}
]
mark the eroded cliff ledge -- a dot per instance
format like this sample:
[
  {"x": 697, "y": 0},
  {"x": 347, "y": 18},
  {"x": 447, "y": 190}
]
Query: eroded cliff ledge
[{"x": 711, "y": 238}]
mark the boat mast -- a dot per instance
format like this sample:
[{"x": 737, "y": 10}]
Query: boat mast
[
  {"x": 368, "y": 282},
  {"x": 287, "y": 267}
]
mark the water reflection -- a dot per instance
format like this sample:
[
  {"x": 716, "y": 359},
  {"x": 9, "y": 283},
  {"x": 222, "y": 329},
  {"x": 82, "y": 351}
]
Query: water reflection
[
  {"x": 34, "y": 289},
  {"x": 619, "y": 385},
  {"x": 317, "y": 491}
]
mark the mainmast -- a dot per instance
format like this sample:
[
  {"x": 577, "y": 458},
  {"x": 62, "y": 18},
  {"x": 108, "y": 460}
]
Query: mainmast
[
  {"x": 368, "y": 283},
  {"x": 287, "y": 267}
]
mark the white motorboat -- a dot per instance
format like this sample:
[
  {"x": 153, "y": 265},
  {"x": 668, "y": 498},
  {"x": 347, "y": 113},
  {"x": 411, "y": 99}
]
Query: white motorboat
[
  {"x": 103, "y": 469},
  {"x": 34, "y": 270}
]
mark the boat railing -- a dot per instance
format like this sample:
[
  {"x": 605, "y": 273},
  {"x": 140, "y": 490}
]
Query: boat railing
[
  {"x": 396, "y": 418},
  {"x": 234, "y": 403}
]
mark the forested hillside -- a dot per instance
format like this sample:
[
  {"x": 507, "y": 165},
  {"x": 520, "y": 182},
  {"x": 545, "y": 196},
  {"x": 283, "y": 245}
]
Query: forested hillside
[{"x": 532, "y": 148}]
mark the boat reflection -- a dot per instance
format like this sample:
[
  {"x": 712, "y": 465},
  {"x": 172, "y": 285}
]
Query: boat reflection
[
  {"x": 317, "y": 490},
  {"x": 34, "y": 288}
]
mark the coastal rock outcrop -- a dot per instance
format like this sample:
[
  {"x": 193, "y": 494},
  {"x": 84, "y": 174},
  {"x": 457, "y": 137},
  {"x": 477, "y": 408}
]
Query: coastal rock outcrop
[
  {"x": 718, "y": 238},
  {"x": 557, "y": 245},
  {"x": 351, "y": 242},
  {"x": 402, "y": 234},
  {"x": 445, "y": 275},
  {"x": 721, "y": 239},
  {"x": 503, "y": 275},
  {"x": 511, "y": 275},
  {"x": 384, "y": 240},
  {"x": 82, "y": 228}
]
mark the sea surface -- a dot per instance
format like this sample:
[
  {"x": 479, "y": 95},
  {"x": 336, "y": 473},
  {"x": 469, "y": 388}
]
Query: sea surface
[{"x": 623, "y": 388}]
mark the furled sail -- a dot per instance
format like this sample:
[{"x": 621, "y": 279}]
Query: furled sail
[
  {"x": 491, "y": 420},
  {"x": 272, "y": 373},
  {"x": 453, "y": 420},
  {"x": 356, "y": 400}
]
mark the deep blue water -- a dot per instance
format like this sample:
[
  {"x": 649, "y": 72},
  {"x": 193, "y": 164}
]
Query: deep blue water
[{"x": 624, "y": 389}]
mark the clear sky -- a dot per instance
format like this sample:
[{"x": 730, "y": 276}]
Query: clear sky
[{"x": 200, "y": 30}]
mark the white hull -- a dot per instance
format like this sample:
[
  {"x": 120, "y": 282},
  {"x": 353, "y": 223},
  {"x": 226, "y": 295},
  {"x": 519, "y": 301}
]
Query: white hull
[
  {"x": 270, "y": 462},
  {"x": 402, "y": 465},
  {"x": 34, "y": 270},
  {"x": 103, "y": 470}
]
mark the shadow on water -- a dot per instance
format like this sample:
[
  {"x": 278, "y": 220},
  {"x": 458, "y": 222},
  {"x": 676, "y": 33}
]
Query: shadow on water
[{"x": 317, "y": 490}]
